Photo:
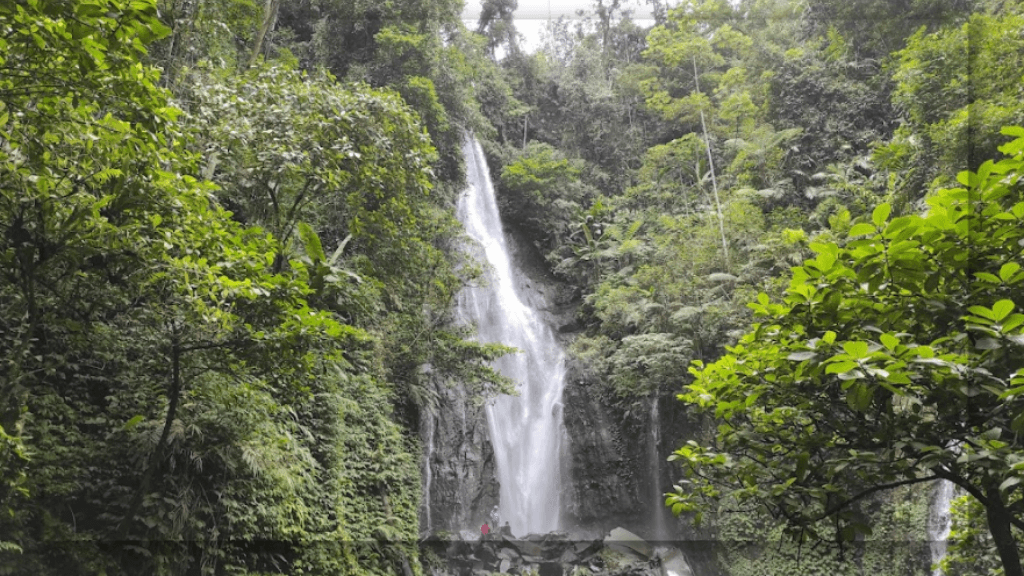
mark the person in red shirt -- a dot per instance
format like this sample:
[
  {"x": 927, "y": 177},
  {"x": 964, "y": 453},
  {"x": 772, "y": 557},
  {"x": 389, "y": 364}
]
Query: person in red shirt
[{"x": 485, "y": 529}]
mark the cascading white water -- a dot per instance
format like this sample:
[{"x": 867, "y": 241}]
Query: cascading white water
[
  {"x": 526, "y": 430},
  {"x": 940, "y": 521},
  {"x": 654, "y": 456},
  {"x": 430, "y": 426}
]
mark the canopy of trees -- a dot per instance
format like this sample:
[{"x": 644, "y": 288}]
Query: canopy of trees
[
  {"x": 706, "y": 157},
  {"x": 228, "y": 249},
  {"x": 217, "y": 290},
  {"x": 893, "y": 359}
]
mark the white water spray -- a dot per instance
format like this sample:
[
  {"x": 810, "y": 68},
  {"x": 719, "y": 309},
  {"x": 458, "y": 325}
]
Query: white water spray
[
  {"x": 430, "y": 426},
  {"x": 660, "y": 529},
  {"x": 526, "y": 431},
  {"x": 940, "y": 522}
]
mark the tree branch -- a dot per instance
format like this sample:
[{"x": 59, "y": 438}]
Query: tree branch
[{"x": 877, "y": 488}]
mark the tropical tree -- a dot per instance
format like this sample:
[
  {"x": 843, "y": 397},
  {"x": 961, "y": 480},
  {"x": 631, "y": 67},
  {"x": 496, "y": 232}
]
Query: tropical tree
[
  {"x": 877, "y": 28},
  {"x": 893, "y": 359},
  {"x": 955, "y": 87},
  {"x": 541, "y": 191},
  {"x": 179, "y": 386}
]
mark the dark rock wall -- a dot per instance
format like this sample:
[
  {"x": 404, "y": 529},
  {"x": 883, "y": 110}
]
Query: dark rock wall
[
  {"x": 463, "y": 488},
  {"x": 603, "y": 489},
  {"x": 607, "y": 471},
  {"x": 611, "y": 472}
]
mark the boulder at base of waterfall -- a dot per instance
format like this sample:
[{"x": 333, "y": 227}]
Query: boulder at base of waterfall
[
  {"x": 587, "y": 548},
  {"x": 550, "y": 569},
  {"x": 531, "y": 551},
  {"x": 673, "y": 562},
  {"x": 623, "y": 540},
  {"x": 552, "y": 543},
  {"x": 569, "y": 557},
  {"x": 508, "y": 558},
  {"x": 548, "y": 555},
  {"x": 487, "y": 553}
]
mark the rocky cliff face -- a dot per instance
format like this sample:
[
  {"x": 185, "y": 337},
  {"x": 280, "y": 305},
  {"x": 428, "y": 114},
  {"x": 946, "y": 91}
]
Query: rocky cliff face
[
  {"x": 460, "y": 487},
  {"x": 603, "y": 461},
  {"x": 607, "y": 479},
  {"x": 614, "y": 478}
]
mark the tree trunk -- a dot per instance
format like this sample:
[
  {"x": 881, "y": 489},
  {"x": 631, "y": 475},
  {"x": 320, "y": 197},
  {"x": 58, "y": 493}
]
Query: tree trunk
[
  {"x": 999, "y": 526},
  {"x": 158, "y": 451},
  {"x": 181, "y": 29},
  {"x": 711, "y": 166},
  {"x": 269, "y": 18}
]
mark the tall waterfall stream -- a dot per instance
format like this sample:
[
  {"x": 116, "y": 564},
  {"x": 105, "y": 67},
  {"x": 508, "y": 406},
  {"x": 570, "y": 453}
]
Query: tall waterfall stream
[
  {"x": 525, "y": 430},
  {"x": 940, "y": 522}
]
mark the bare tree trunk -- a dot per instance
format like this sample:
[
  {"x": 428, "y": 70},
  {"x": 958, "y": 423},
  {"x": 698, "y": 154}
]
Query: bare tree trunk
[
  {"x": 711, "y": 165},
  {"x": 269, "y": 19},
  {"x": 184, "y": 15}
]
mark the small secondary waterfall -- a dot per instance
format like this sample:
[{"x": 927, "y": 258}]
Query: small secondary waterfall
[
  {"x": 526, "y": 431},
  {"x": 428, "y": 476},
  {"x": 654, "y": 456},
  {"x": 940, "y": 521}
]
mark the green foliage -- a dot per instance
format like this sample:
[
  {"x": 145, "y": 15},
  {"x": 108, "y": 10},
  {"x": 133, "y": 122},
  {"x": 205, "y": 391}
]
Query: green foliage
[
  {"x": 970, "y": 549},
  {"x": 497, "y": 26},
  {"x": 752, "y": 543},
  {"x": 958, "y": 85},
  {"x": 840, "y": 103},
  {"x": 876, "y": 28},
  {"x": 189, "y": 390},
  {"x": 699, "y": 52},
  {"x": 218, "y": 32},
  {"x": 288, "y": 148},
  {"x": 891, "y": 360},
  {"x": 541, "y": 190},
  {"x": 154, "y": 353}
]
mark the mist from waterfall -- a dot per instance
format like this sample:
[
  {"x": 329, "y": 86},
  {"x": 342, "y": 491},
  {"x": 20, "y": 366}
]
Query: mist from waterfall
[
  {"x": 526, "y": 430},
  {"x": 428, "y": 474},
  {"x": 940, "y": 521}
]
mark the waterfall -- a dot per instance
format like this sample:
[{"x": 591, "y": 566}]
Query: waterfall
[
  {"x": 429, "y": 428},
  {"x": 940, "y": 521},
  {"x": 525, "y": 430},
  {"x": 654, "y": 457}
]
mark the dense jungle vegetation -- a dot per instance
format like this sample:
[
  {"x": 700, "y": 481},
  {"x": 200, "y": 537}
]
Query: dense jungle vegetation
[{"x": 228, "y": 254}]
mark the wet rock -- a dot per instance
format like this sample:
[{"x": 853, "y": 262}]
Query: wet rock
[
  {"x": 462, "y": 489},
  {"x": 572, "y": 326},
  {"x": 531, "y": 551},
  {"x": 487, "y": 553},
  {"x": 569, "y": 556},
  {"x": 622, "y": 562},
  {"x": 674, "y": 563},
  {"x": 550, "y": 569},
  {"x": 625, "y": 541},
  {"x": 602, "y": 492},
  {"x": 459, "y": 549}
]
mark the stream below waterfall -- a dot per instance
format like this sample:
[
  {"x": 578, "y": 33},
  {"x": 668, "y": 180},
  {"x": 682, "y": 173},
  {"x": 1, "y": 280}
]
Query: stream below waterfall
[{"x": 526, "y": 430}]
